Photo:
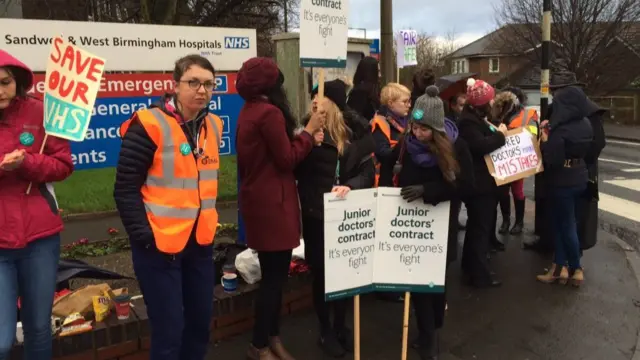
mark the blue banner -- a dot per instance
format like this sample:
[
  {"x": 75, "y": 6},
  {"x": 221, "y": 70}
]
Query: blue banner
[{"x": 101, "y": 146}]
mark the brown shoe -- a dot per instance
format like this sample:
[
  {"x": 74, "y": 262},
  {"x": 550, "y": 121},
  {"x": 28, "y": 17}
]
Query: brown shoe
[
  {"x": 277, "y": 348},
  {"x": 260, "y": 354},
  {"x": 578, "y": 278},
  {"x": 553, "y": 275}
]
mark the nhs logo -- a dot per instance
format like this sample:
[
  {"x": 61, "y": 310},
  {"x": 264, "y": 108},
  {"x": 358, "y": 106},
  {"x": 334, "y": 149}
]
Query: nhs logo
[{"x": 231, "y": 42}]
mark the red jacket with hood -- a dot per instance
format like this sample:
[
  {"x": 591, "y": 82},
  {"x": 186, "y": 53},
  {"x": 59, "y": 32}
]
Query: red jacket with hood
[{"x": 25, "y": 218}]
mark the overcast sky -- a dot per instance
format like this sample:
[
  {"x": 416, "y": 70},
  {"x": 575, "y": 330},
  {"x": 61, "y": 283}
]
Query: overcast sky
[{"x": 467, "y": 19}]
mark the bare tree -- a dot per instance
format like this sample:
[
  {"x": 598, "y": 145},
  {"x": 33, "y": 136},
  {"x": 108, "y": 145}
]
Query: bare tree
[
  {"x": 589, "y": 37},
  {"x": 266, "y": 16},
  {"x": 430, "y": 53}
]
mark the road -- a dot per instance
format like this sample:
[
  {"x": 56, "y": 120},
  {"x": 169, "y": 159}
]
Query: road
[{"x": 619, "y": 189}]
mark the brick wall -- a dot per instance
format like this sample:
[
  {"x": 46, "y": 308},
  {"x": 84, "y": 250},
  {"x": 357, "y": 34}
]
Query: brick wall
[{"x": 130, "y": 339}]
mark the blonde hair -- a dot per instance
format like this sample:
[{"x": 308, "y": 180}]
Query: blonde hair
[
  {"x": 392, "y": 92},
  {"x": 335, "y": 125}
]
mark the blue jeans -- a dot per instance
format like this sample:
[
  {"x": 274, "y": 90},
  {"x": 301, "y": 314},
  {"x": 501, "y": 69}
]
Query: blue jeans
[
  {"x": 178, "y": 293},
  {"x": 31, "y": 274},
  {"x": 564, "y": 225}
]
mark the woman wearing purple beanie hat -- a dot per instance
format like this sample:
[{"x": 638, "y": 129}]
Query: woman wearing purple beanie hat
[{"x": 268, "y": 152}]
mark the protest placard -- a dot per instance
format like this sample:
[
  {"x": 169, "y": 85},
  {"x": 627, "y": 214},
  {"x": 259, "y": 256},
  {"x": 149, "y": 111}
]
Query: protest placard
[
  {"x": 71, "y": 86},
  {"x": 519, "y": 158},
  {"x": 349, "y": 235},
  {"x": 324, "y": 28},
  {"x": 407, "y": 48},
  {"x": 411, "y": 244}
]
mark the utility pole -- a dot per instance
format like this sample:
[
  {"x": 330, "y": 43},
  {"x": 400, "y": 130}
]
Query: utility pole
[
  {"x": 387, "y": 64},
  {"x": 545, "y": 57},
  {"x": 541, "y": 223},
  {"x": 286, "y": 16}
]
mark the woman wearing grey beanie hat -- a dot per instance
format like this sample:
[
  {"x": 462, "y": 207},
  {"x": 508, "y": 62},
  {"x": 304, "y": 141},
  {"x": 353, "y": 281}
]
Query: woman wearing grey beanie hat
[{"x": 432, "y": 164}]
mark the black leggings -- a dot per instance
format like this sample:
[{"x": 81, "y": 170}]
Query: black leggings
[
  {"x": 429, "y": 311},
  {"x": 481, "y": 230},
  {"x": 313, "y": 234},
  {"x": 274, "y": 266}
]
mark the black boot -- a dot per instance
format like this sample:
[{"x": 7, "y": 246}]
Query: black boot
[
  {"x": 506, "y": 223},
  {"x": 505, "y": 209},
  {"x": 518, "y": 226}
]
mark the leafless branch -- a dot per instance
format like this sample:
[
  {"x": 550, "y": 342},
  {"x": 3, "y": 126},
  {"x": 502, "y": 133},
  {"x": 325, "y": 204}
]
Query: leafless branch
[{"x": 589, "y": 37}]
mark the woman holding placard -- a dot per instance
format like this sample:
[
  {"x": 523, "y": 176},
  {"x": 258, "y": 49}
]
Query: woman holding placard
[
  {"x": 342, "y": 162},
  {"x": 30, "y": 224},
  {"x": 269, "y": 150},
  {"x": 483, "y": 138},
  {"x": 431, "y": 163}
]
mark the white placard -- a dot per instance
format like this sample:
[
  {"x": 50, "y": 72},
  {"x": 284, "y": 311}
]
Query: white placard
[
  {"x": 129, "y": 47},
  {"x": 411, "y": 244},
  {"x": 519, "y": 157},
  {"x": 407, "y": 48},
  {"x": 324, "y": 28},
  {"x": 349, "y": 236}
]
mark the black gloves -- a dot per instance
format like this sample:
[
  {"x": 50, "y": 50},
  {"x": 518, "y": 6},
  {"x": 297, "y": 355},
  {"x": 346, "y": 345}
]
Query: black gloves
[{"x": 413, "y": 192}]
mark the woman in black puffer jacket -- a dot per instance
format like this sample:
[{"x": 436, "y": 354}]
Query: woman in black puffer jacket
[{"x": 342, "y": 162}]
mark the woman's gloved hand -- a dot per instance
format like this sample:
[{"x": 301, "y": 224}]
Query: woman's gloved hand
[{"x": 413, "y": 192}]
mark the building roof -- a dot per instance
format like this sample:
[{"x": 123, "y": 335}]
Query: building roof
[{"x": 497, "y": 42}]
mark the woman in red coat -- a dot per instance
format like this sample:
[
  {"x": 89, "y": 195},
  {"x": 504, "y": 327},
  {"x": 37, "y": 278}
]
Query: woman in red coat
[
  {"x": 268, "y": 152},
  {"x": 29, "y": 223}
]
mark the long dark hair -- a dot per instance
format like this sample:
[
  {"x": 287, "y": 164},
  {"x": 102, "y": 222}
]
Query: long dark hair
[
  {"x": 442, "y": 148},
  {"x": 367, "y": 76},
  {"x": 421, "y": 80},
  {"x": 277, "y": 96}
]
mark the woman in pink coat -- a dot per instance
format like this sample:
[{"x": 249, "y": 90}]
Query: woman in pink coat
[{"x": 29, "y": 223}]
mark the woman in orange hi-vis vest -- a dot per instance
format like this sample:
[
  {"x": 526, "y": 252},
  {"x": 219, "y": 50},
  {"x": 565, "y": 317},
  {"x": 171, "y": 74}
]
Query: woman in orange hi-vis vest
[
  {"x": 509, "y": 109},
  {"x": 390, "y": 121},
  {"x": 166, "y": 188}
]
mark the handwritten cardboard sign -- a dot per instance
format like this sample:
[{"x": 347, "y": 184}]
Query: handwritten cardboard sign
[
  {"x": 71, "y": 86},
  {"x": 407, "y": 48},
  {"x": 519, "y": 158}
]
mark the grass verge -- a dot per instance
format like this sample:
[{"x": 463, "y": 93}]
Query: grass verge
[{"x": 90, "y": 191}]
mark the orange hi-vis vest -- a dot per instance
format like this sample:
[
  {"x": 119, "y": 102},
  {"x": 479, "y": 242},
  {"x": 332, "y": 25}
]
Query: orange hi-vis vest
[
  {"x": 181, "y": 189},
  {"x": 380, "y": 122},
  {"x": 527, "y": 118}
]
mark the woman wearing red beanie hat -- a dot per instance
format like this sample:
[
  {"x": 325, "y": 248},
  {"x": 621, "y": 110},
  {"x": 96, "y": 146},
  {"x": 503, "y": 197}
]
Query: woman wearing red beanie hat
[
  {"x": 482, "y": 138},
  {"x": 268, "y": 152}
]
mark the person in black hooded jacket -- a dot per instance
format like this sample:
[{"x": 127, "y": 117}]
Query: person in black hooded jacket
[
  {"x": 566, "y": 143},
  {"x": 342, "y": 162},
  {"x": 431, "y": 163}
]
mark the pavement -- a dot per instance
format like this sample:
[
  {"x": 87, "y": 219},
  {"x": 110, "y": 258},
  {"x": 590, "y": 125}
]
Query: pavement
[{"x": 522, "y": 320}]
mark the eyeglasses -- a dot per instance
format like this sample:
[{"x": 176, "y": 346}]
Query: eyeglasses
[{"x": 195, "y": 84}]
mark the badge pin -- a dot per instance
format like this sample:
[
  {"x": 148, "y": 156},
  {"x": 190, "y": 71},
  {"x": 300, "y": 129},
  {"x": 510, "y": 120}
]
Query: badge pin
[
  {"x": 185, "y": 149},
  {"x": 418, "y": 114},
  {"x": 26, "y": 139}
]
